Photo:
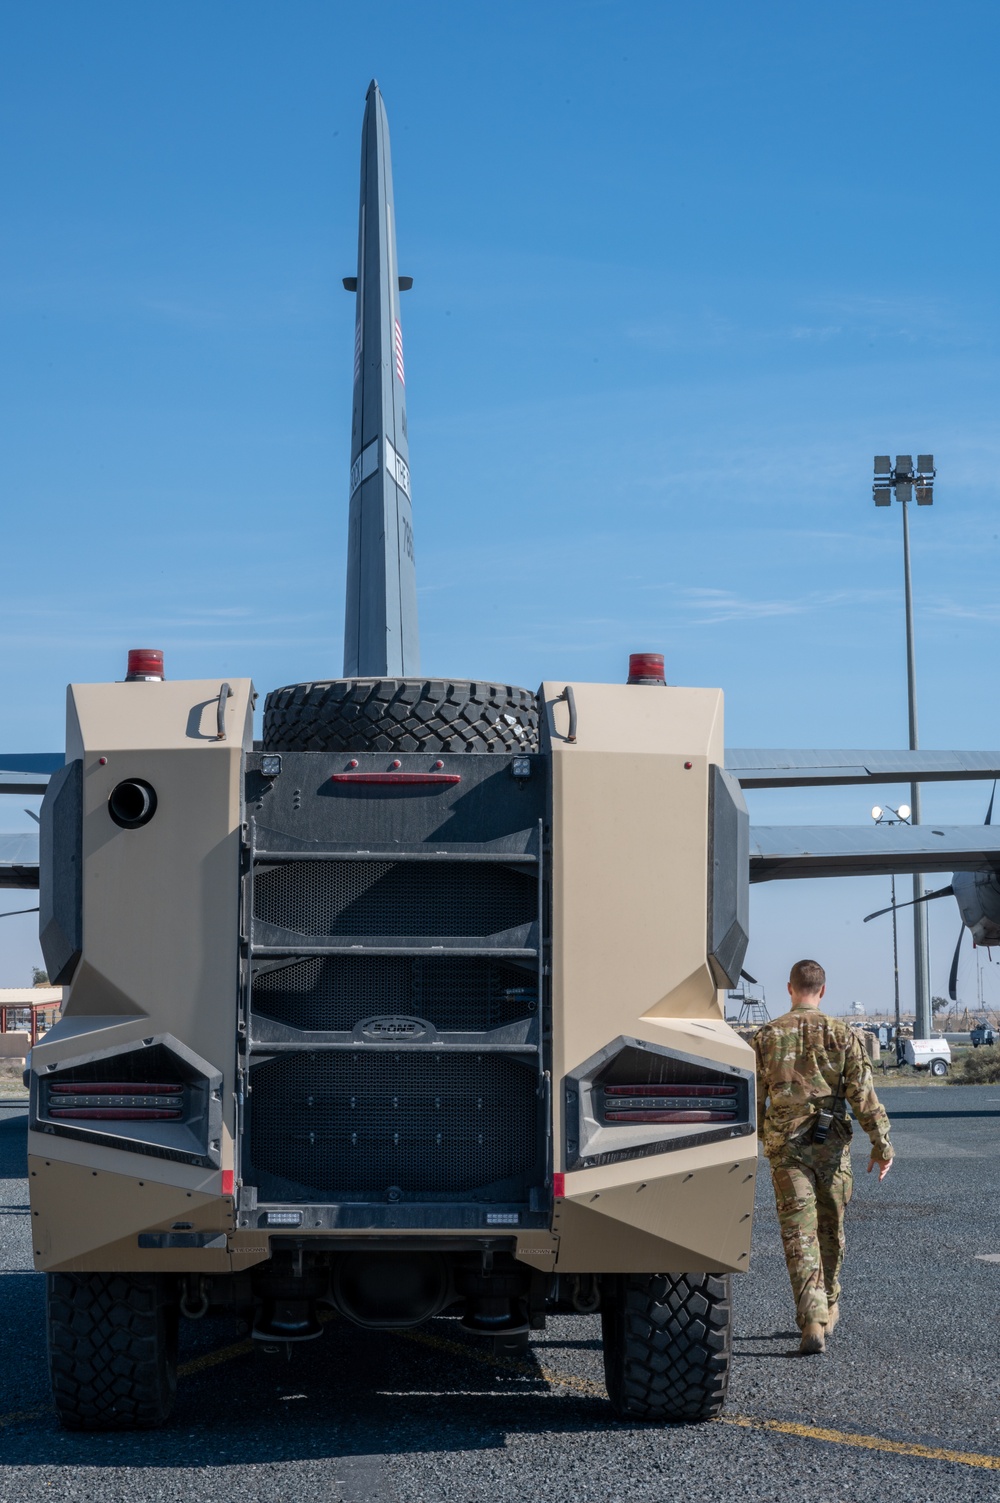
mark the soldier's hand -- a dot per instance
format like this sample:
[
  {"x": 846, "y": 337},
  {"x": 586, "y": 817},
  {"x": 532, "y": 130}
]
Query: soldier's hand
[{"x": 883, "y": 1166}]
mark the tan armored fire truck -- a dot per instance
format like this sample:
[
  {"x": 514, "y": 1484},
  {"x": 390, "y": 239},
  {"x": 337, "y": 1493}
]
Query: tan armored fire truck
[{"x": 411, "y": 1010}]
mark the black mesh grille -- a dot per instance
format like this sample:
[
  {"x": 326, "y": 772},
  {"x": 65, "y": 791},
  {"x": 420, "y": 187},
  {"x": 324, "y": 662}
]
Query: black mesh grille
[
  {"x": 397, "y": 898},
  {"x": 154, "y": 1063},
  {"x": 452, "y": 992},
  {"x": 365, "y": 1122}
]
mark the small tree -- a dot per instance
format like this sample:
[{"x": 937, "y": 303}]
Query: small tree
[{"x": 39, "y": 977}]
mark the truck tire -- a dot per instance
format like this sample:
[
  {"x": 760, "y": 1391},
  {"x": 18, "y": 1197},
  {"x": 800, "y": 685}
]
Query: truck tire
[
  {"x": 667, "y": 1345},
  {"x": 400, "y": 715},
  {"x": 112, "y": 1349}
]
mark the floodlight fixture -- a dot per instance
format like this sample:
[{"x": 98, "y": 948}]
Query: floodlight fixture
[
  {"x": 877, "y": 812},
  {"x": 903, "y": 811},
  {"x": 899, "y": 481}
]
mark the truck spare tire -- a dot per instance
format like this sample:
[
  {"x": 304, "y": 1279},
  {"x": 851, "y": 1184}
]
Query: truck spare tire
[{"x": 400, "y": 714}]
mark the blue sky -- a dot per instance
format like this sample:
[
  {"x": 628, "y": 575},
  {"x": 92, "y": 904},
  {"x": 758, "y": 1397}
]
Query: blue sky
[{"x": 680, "y": 271}]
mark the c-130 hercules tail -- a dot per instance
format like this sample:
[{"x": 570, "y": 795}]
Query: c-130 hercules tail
[{"x": 411, "y": 1010}]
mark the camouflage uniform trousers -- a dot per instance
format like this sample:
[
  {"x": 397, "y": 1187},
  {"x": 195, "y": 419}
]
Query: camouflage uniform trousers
[{"x": 812, "y": 1185}]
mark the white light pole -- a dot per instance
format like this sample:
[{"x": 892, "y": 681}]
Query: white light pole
[
  {"x": 900, "y": 481},
  {"x": 902, "y": 817}
]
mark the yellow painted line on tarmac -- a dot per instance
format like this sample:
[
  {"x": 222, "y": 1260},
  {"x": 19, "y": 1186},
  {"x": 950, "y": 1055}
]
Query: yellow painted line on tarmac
[
  {"x": 862, "y": 1442},
  {"x": 589, "y": 1389},
  {"x": 19, "y": 1417},
  {"x": 741, "y": 1421},
  {"x": 212, "y": 1359},
  {"x": 487, "y": 1358},
  {"x": 230, "y": 1353}
]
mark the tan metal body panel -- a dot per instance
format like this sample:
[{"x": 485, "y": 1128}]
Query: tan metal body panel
[
  {"x": 88, "y": 1219},
  {"x": 160, "y": 938},
  {"x": 684, "y": 1212},
  {"x": 630, "y": 832}
]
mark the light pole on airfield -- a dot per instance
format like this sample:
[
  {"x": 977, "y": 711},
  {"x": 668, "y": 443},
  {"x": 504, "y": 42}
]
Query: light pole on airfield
[
  {"x": 879, "y": 815},
  {"x": 900, "y": 480}
]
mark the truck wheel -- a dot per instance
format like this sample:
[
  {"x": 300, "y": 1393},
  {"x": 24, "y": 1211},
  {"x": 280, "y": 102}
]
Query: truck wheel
[
  {"x": 112, "y": 1349},
  {"x": 666, "y": 1344},
  {"x": 400, "y": 714},
  {"x": 939, "y": 1067}
]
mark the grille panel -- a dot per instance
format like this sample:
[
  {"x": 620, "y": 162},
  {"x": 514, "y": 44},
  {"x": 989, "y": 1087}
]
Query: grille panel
[
  {"x": 360, "y": 1123},
  {"x": 153, "y": 1063},
  {"x": 451, "y": 992},
  {"x": 394, "y": 898}
]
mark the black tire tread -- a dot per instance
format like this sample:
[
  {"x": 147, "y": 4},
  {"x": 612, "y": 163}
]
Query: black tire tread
[
  {"x": 112, "y": 1349},
  {"x": 667, "y": 1345},
  {"x": 400, "y": 714}
]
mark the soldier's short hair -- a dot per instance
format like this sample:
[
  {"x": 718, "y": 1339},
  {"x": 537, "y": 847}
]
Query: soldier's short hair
[{"x": 807, "y": 976}]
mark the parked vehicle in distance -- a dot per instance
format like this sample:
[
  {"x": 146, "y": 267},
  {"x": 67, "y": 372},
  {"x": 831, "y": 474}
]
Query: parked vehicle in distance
[
  {"x": 928, "y": 1054},
  {"x": 982, "y": 1034}
]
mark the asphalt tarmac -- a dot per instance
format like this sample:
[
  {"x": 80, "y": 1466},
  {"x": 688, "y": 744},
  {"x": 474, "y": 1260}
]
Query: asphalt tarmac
[{"x": 903, "y": 1406}]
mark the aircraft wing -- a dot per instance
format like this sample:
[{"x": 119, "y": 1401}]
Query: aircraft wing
[
  {"x": 784, "y": 768},
  {"x": 786, "y": 851},
  {"x": 31, "y": 783},
  {"x": 19, "y": 860},
  {"x": 28, "y": 772}
]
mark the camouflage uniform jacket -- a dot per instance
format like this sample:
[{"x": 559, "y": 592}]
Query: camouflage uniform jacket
[{"x": 800, "y": 1059}]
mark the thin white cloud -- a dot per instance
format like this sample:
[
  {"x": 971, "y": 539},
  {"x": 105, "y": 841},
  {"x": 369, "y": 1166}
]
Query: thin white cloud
[{"x": 717, "y": 606}]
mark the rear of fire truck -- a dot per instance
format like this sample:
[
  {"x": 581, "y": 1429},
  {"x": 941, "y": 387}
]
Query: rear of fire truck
[{"x": 409, "y": 1011}]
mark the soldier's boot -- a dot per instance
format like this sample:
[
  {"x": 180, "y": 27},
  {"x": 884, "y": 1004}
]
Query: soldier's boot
[
  {"x": 813, "y": 1341},
  {"x": 832, "y": 1318}
]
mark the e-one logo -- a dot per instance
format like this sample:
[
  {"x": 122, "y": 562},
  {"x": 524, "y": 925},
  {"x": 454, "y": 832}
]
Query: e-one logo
[{"x": 393, "y": 1028}]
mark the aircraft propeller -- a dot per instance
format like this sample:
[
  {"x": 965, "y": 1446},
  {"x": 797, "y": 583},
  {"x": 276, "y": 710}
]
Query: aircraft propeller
[
  {"x": 942, "y": 892},
  {"x": 953, "y": 973},
  {"x": 939, "y": 892}
]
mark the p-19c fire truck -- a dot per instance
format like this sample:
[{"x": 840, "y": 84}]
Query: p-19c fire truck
[{"x": 411, "y": 1011}]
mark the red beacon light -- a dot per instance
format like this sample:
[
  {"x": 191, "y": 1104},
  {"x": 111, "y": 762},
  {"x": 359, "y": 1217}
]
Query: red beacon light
[
  {"x": 144, "y": 664},
  {"x": 646, "y": 668}
]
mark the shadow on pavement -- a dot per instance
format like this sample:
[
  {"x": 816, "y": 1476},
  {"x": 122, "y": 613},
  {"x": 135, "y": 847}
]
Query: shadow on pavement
[
  {"x": 351, "y": 1393},
  {"x": 13, "y": 1146}
]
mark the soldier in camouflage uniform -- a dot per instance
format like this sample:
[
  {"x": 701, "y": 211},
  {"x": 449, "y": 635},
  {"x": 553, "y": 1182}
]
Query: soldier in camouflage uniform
[{"x": 805, "y": 1062}]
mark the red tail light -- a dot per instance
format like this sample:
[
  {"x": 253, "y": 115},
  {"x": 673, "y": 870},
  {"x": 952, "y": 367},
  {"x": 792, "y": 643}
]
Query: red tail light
[
  {"x": 687, "y": 1115},
  {"x": 397, "y": 779},
  {"x": 116, "y": 1101}
]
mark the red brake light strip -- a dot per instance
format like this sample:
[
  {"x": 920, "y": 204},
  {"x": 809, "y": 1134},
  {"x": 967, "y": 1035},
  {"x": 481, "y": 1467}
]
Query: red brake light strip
[
  {"x": 116, "y": 1113},
  {"x": 116, "y": 1101},
  {"x": 695, "y": 1116},
  {"x": 396, "y": 778}
]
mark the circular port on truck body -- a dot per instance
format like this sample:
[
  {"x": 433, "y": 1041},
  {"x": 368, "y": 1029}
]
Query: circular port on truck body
[{"x": 132, "y": 803}]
